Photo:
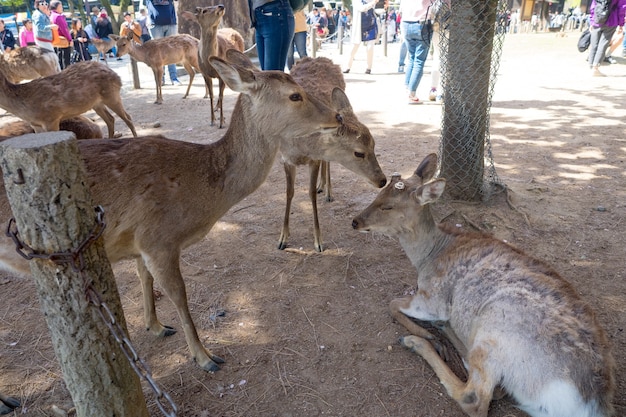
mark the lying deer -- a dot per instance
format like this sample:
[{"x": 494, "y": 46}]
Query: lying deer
[
  {"x": 28, "y": 63},
  {"x": 162, "y": 195},
  {"x": 158, "y": 52},
  {"x": 44, "y": 102},
  {"x": 352, "y": 145},
  {"x": 515, "y": 321},
  {"x": 81, "y": 126},
  {"x": 7, "y": 404},
  {"x": 214, "y": 42}
]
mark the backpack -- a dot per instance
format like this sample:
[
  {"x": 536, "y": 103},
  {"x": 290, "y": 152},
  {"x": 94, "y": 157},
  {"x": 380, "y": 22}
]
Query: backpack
[
  {"x": 297, "y": 5},
  {"x": 602, "y": 11}
]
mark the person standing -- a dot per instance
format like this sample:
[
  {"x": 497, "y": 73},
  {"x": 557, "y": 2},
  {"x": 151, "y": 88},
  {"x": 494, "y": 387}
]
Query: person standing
[
  {"x": 359, "y": 33},
  {"x": 27, "y": 37},
  {"x": 417, "y": 32},
  {"x": 275, "y": 25},
  {"x": 103, "y": 30},
  {"x": 130, "y": 25},
  {"x": 143, "y": 22},
  {"x": 64, "y": 51},
  {"x": 42, "y": 27},
  {"x": 601, "y": 33},
  {"x": 299, "y": 38},
  {"x": 7, "y": 40},
  {"x": 163, "y": 17}
]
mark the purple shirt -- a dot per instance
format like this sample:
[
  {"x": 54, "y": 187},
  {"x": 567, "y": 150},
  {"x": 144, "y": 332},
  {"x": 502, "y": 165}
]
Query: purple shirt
[
  {"x": 64, "y": 30},
  {"x": 616, "y": 15}
]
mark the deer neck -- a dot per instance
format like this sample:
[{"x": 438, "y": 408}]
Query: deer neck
[
  {"x": 137, "y": 51},
  {"x": 424, "y": 241},
  {"x": 208, "y": 44}
]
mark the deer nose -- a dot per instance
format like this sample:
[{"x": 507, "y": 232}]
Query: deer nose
[
  {"x": 355, "y": 224},
  {"x": 383, "y": 182},
  {"x": 339, "y": 118}
]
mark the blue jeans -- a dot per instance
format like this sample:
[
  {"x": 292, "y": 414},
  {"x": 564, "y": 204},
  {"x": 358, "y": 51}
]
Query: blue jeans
[
  {"x": 161, "y": 31},
  {"x": 418, "y": 52},
  {"x": 274, "y": 33},
  {"x": 299, "y": 41}
]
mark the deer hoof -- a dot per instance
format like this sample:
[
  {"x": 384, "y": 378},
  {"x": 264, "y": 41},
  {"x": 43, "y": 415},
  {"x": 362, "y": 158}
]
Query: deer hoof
[
  {"x": 165, "y": 331},
  {"x": 211, "y": 366},
  {"x": 282, "y": 245}
]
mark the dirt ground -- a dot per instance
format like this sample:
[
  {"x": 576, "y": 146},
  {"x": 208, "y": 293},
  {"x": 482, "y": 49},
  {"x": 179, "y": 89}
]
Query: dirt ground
[{"x": 309, "y": 334}]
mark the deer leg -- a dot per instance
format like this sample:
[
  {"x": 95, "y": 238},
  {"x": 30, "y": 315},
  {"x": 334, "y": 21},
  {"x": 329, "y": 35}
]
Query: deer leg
[
  {"x": 153, "y": 325},
  {"x": 325, "y": 186},
  {"x": 209, "y": 83},
  {"x": 220, "y": 101},
  {"x": 314, "y": 167},
  {"x": 192, "y": 74},
  {"x": 165, "y": 269},
  {"x": 108, "y": 118},
  {"x": 158, "y": 76},
  {"x": 117, "y": 107},
  {"x": 290, "y": 174},
  {"x": 475, "y": 395}
]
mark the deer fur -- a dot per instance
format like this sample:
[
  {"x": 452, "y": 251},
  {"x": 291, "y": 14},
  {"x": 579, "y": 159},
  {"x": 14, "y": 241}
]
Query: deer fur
[
  {"x": 28, "y": 63},
  {"x": 162, "y": 195},
  {"x": 81, "y": 126},
  {"x": 352, "y": 145},
  {"x": 516, "y": 322},
  {"x": 214, "y": 42},
  {"x": 44, "y": 102},
  {"x": 103, "y": 45},
  {"x": 7, "y": 404},
  {"x": 158, "y": 52}
]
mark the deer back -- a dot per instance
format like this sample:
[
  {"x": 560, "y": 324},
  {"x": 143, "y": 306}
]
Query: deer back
[
  {"x": 158, "y": 52},
  {"x": 28, "y": 63}
]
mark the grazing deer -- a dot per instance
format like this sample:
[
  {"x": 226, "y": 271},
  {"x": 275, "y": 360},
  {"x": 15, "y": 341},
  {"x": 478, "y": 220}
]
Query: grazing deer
[
  {"x": 7, "y": 404},
  {"x": 28, "y": 63},
  {"x": 103, "y": 45},
  {"x": 44, "y": 102},
  {"x": 82, "y": 127},
  {"x": 158, "y": 52},
  {"x": 514, "y": 320},
  {"x": 214, "y": 42},
  {"x": 351, "y": 145},
  {"x": 162, "y": 195}
]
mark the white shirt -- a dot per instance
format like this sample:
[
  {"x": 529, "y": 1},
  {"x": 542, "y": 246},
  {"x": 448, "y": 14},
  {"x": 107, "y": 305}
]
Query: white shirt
[{"x": 416, "y": 10}]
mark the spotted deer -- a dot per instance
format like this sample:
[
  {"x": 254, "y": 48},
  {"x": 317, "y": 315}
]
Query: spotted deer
[
  {"x": 46, "y": 101},
  {"x": 162, "y": 195},
  {"x": 156, "y": 53},
  {"x": 28, "y": 63},
  {"x": 214, "y": 42},
  {"x": 514, "y": 320}
]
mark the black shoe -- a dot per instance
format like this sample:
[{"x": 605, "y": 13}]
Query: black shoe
[
  {"x": 346, "y": 71},
  {"x": 610, "y": 60},
  {"x": 368, "y": 71}
]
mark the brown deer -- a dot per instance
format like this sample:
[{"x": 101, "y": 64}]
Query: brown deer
[
  {"x": 352, "y": 145},
  {"x": 44, "y": 102},
  {"x": 82, "y": 127},
  {"x": 158, "y": 52},
  {"x": 514, "y": 320},
  {"x": 103, "y": 45},
  {"x": 28, "y": 63},
  {"x": 214, "y": 42},
  {"x": 162, "y": 195}
]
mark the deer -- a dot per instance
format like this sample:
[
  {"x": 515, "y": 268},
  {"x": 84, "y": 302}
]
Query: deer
[
  {"x": 352, "y": 145},
  {"x": 162, "y": 195},
  {"x": 44, "y": 102},
  {"x": 516, "y": 322},
  {"x": 103, "y": 45},
  {"x": 7, "y": 404},
  {"x": 173, "y": 49},
  {"x": 81, "y": 126},
  {"x": 214, "y": 42},
  {"x": 28, "y": 63}
]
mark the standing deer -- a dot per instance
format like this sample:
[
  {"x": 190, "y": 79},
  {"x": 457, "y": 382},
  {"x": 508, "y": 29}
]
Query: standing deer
[
  {"x": 162, "y": 195},
  {"x": 44, "y": 102},
  {"x": 514, "y": 320},
  {"x": 102, "y": 46},
  {"x": 214, "y": 42},
  {"x": 28, "y": 63},
  {"x": 351, "y": 145},
  {"x": 158, "y": 52}
]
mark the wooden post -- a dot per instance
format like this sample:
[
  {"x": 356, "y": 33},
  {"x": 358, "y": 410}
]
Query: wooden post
[
  {"x": 135, "y": 71},
  {"x": 47, "y": 189}
]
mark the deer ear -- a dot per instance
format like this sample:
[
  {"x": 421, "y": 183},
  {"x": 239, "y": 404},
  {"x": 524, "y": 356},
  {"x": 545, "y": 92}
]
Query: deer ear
[
  {"x": 427, "y": 168},
  {"x": 114, "y": 37},
  {"x": 189, "y": 16},
  {"x": 430, "y": 192},
  {"x": 238, "y": 78},
  {"x": 340, "y": 100},
  {"x": 235, "y": 57}
]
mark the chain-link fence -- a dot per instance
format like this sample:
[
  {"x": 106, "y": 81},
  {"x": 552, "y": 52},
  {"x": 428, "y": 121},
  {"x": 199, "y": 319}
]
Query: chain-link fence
[{"x": 468, "y": 35}]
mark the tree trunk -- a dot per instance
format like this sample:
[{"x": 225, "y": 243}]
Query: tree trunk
[
  {"x": 466, "y": 97},
  {"x": 47, "y": 190}
]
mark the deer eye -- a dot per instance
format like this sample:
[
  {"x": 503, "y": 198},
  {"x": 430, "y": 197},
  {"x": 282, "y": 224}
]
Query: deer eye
[
  {"x": 359, "y": 155},
  {"x": 385, "y": 208},
  {"x": 295, "y": 97}
]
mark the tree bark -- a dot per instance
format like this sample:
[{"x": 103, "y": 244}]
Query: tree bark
[
  {"x": 46, "y": 185},
  {"x": 466, "y": 97}
]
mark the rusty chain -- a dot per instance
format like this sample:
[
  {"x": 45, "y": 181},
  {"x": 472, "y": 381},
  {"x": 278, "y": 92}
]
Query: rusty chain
[{"x": 76, "y": 260}]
